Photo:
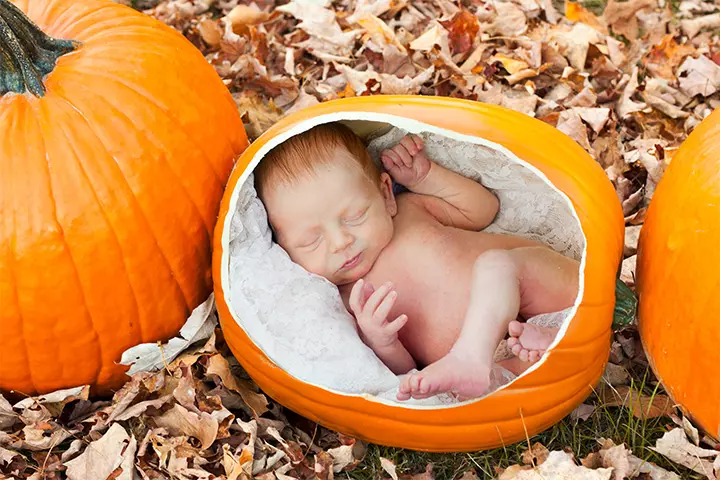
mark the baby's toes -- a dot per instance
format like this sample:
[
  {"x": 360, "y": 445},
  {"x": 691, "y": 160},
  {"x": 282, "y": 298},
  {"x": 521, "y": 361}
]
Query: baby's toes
[
  {"x": 512, "y": 341},
  {"x": 404, "y": 389},
  {"x": 516, "y": 349},
  {"x": 534, "y": 355},
  {"x": 515, "y": 328},
  {"x": 523, "y": 355}
]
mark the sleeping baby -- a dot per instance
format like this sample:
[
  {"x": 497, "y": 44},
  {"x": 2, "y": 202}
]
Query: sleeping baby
[{"x": 429, "y": 290}]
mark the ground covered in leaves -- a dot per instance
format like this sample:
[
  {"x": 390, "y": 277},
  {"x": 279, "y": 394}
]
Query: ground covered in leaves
[{"x": 627, "y": 80}]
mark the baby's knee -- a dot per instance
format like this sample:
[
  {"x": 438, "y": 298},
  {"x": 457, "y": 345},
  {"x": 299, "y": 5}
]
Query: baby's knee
[{"x": 495, "y": 260}]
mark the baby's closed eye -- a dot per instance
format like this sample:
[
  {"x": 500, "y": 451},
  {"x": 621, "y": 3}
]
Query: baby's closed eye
[
  {"x": 357, "y": 217},
  {"x": 310, "y": 243}
]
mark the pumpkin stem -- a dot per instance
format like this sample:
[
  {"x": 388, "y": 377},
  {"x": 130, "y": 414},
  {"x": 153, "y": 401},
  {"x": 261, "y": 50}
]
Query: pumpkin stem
[{"x": 26, "y": 52}]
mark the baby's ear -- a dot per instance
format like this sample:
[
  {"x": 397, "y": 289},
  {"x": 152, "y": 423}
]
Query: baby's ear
[{"x": 386, "y": 190}]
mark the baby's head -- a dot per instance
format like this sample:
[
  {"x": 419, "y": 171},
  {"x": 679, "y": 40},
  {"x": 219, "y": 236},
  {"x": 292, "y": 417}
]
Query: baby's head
[{"x": 328, "y": 203}]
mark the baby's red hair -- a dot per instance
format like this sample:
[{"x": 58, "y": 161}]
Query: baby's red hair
[{"x": 302, "y": 154}]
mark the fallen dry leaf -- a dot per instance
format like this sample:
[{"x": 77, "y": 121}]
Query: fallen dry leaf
[
  {"x": 559, "y": 466},
  {"x": 641, "y": 405},
  {"x": 676, "y": 447},
  {"x": 389, "y": 467},
  {"x": 218, "y": 365},
  {"x": 181, "y": 421},
  {"x": 115, "y": 450}
]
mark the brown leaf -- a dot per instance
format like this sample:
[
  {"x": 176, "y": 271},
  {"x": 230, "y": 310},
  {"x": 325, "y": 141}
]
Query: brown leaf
[
  {"x": 536, "y": 455},
  {"x": 621, "y": 16},
  {"x": 210, "y": 31},
  {"x": 55, "y": 402},
  {"x": 509, "y": 21},
  {"x": 626, "y": 105},
  {"x": 675, "y": 446},
  {"x": 218, "y": 365},
  {"x": 243, "y": 15},
  {"x": 663, "y": 58},
  {"x": 342, "y": 457},
  {"x": 115, "y": 450},
  {"x": 559, "y": 465},
  {"x": 699, "y": 76},
  {"x": 627, "y": 273},
  {"x": 389, "y": 467},
  {"x": 8, "y": 417},
  {"x": 615, "y": 374},
  {"x": 571, "y": 124},
  {"x": 462, "y": 29},
  {"x": 693, "y": 26},
  {"x": 582, "y": 412},
  {"x": 632, "y": 236},
  {"x": 181, "y": 421},
  {"x": 576, "y": 12},
  {"x": 140, "y": 408},
  {"x": 641, "y": 405}
]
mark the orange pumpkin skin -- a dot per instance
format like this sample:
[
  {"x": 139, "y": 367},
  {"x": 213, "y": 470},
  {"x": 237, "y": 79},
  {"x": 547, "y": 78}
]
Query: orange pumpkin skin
[
  {"x": 677, "y": 277},
  {"x": 110, "y": 186},
  {"x": 535, "y": 401}
]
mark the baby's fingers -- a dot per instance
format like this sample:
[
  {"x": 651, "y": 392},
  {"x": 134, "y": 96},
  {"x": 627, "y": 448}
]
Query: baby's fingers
[
  {"x": 355, "y": 296},
  {"x": 397, "y": 324},
  {"x": 410, "y": 144},
  {"x": 403, "y": 154},
  {"x": 378, "y": 296},
  {"x": 418, "y": 142},
  {"x": 383, "y": 310}
]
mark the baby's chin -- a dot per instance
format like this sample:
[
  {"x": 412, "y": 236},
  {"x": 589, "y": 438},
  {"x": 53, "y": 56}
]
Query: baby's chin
[{"x": 354, "y": 275}]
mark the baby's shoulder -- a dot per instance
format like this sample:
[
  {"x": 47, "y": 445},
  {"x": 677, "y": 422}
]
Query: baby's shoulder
[{"x": 413, "y": 203}]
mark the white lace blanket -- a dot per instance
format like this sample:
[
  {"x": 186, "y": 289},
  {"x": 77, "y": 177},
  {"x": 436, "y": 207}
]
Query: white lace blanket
[{"x": 298, "y": 318}]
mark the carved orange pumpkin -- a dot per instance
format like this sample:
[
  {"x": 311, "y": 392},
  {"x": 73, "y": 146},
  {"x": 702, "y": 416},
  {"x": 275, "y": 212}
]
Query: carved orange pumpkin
[
  {"x": 677, "y": 277},
  {"x": 117, "y": 142},
  {"x": 534, "y": 401}
]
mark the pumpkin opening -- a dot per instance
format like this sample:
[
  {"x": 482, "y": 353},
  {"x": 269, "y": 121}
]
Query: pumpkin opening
[
  {"x": 27, "y": 54},
  {"x": 298, "y": 319}
]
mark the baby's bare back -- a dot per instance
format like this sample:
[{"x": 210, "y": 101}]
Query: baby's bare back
[{"x": 431, "y": 266}]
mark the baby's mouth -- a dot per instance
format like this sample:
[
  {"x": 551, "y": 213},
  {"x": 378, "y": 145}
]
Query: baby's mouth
[{"x": 351, "y": 263}]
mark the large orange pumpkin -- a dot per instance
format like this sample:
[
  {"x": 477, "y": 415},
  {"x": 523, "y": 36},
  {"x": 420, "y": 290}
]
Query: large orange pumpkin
[
  {"x": 534, "y": 401},
  {"x": 677, "y": 277},
  {"x": 116, "y": 144}
]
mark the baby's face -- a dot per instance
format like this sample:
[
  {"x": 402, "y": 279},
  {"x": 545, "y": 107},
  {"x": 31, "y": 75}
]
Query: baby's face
[{"x": 334, "y": 223}]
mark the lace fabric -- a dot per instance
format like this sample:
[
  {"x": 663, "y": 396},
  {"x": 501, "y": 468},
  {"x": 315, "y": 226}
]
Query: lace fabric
[{"x": 298, "y": 319}]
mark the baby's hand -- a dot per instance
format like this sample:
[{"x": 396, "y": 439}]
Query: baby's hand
[
  {"x": 371, "y": 308},
  {"x": 406, "y": 162}
]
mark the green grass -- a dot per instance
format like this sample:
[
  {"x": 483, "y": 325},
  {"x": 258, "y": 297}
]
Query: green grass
[{"x": 615, "y": 423}]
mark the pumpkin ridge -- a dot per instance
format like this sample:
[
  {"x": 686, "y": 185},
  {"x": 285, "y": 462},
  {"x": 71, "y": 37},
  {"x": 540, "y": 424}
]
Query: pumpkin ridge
[
  {"x": 10, "y": 256},
  {"x": 67, "y": 248},
  {"x": 105, "y": 216},
  {"x": 16, "y": 297},
  {"x": 165, "y": 154},
  {"x": 208, "y": 223},
  {"x": 188, "y": 310},
  {"x": 58, "y": 21},
  {"x": 176, "y": 122}
]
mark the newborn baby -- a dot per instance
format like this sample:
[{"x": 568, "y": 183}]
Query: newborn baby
[{"x": 428, "y": 289}]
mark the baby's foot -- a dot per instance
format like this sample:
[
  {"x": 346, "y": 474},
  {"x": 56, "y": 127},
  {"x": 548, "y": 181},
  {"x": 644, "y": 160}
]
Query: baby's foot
[
  {"x": 528, "y": 342},
  {"x": 451, "y": 374}
]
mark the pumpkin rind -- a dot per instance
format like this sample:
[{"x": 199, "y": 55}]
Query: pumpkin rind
[
  {"x": 533, "y": 402},
  {"x": 110, "y": 187},
  {"x": 677, "y": 277}
]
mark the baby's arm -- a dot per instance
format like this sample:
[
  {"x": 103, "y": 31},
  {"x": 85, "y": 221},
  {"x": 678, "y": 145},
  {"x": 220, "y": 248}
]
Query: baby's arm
[
  {"x": 452, "y": 198},
  {"x": 371, "y": 308}
]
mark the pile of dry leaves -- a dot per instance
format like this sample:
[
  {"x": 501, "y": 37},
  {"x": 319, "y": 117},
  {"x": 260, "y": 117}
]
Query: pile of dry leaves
[{"x": 628, "y": 85}]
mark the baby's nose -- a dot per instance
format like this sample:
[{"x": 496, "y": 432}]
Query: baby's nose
[{"x": 341, "y": 240}]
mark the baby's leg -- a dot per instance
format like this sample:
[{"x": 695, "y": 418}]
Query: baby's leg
[
  {"x": 551, "y": 285},
  {"x": 494, "y": 303},
  {"x": 527, "y": 281}
]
